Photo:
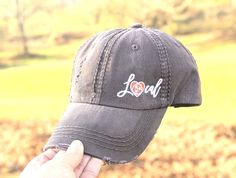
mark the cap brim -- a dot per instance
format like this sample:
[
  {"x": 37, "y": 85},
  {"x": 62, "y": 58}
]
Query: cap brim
[{"x": 113, "y": 134}]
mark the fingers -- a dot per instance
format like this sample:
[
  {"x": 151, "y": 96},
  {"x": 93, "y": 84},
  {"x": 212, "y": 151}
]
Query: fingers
[
  {"x": 37, "y": 162},
  {"x": 64, "y": 163},
  {"x": 92, "y": 169},
  {"x": 59, "y": 154},
  {"x": 72, "y": 156},
  {"x": 79, "y": 169},
  {"x": 44, "y": 157}
]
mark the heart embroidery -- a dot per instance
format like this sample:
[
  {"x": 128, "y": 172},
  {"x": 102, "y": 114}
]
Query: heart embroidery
[{"x": 137, "y": 88}]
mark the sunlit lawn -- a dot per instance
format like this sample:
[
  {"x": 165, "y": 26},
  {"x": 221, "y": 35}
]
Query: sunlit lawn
[{"x": 39, "y": 89}]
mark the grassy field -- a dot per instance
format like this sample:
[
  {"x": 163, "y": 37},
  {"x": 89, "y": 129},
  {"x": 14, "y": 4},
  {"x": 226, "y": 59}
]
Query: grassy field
[{"x": 39, "y": 89}]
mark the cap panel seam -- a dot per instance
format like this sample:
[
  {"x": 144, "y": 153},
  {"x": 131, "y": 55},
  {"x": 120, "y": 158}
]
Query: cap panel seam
[
  {"x": 107, "y": 62},
  {"x": 75, "y": 63},
  {"x": 99, "y": 61},
  {"x": 165, "y": 70},
  {"x": 101, "y": 72},
  {"x": 98, "y": 64},
  {"x": 113, "y": 106},
  {"x": 168, "y": 65},
  {"x": 106, "y": 58}
]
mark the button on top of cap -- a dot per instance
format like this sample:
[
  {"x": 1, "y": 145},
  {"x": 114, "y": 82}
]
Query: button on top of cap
[{"x": 137, "y": 25}]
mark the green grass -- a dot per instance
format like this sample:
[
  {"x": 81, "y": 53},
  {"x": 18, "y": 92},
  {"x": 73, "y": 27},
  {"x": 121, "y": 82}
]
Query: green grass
[
  {"x": 35, "y": 91},
  {"x": 39, "y": 89}
]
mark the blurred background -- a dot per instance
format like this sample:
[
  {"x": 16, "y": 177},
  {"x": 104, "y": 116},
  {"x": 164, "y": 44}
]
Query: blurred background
[{"x": 38, "y": 41}]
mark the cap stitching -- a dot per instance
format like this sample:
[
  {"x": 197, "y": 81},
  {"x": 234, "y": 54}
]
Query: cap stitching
[
  {"x": 168, "y": 66},
  {"x": 83, "y": 60},
  {"x": 134, "y": 143},
  {"x": 106, "y": 140},
  {"x": 144, "y": 123},
  {"x": 102, "y": 64},
  {"x": 79, "y": 72},
  {"x": 164, "y": 65},
  {"x": 131, "y": 134},
  {"x": 97, "y": 143},
  {"x": 107, "y": 52},
  {"x": 105, "y": 64},
  {"x": 112, "y": 146},
  {"x": 75, "y": 65},
  {"x": 99, "y": 63},
  {"x": 114, "y": 106},
  {"x": 165, "y": 71}
]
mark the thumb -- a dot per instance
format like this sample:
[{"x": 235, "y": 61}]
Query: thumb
[{"x": 73, "y": 156}]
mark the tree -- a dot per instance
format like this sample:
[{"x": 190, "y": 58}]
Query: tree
[
  {"x": 21, "y": 25},
  {"x": 23, "y": 11}
]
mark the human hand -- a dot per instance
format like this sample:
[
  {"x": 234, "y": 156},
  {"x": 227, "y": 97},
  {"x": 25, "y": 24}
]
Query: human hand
[{"x": 63, "y": 164}]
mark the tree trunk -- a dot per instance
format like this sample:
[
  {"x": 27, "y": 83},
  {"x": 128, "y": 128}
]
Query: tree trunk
[{"x": 20, "y": 22}]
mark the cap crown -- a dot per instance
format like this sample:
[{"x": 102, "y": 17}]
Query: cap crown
[{"x": 135, "y": 68}]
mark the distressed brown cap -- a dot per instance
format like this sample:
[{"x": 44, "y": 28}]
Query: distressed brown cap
[{"x": 122, "y": 83}]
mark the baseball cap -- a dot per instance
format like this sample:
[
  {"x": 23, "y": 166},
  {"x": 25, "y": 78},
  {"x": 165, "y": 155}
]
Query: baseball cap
[{"x": 123, "y": 81}]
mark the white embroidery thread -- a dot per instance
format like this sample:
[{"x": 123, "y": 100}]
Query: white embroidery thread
[{"x": 135, "y": 88}]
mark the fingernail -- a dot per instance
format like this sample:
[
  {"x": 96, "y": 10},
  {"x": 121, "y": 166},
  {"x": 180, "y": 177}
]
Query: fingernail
[{"x": 75, "y": 147}]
